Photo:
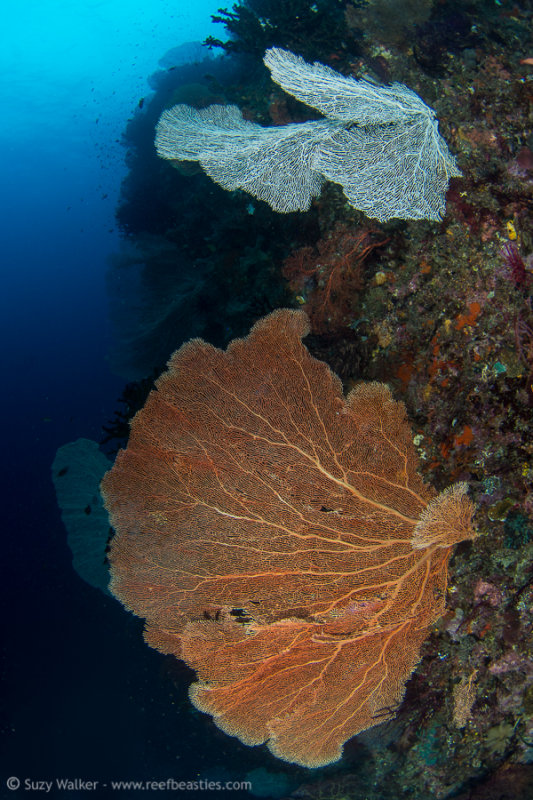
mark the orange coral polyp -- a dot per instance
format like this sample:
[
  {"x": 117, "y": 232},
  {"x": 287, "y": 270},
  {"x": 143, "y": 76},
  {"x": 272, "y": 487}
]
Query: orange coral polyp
[{"x": 277, "y": 537}]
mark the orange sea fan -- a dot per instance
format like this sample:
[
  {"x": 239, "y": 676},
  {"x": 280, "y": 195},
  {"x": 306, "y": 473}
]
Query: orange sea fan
[
  {"x": 277, "y": 537},
  {"x": 329, "y": 278}
]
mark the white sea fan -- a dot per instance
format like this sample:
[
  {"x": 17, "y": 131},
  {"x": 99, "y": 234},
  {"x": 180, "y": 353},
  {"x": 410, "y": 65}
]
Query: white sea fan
[
  {"x": 272, "y": 164},
  {"x": 380, "y": 143}
]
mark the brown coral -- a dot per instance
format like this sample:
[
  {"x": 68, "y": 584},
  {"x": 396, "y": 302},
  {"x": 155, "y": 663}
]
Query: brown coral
[
  {"x": 329, "y": 278},
  {"x": 277, "y": 537}
]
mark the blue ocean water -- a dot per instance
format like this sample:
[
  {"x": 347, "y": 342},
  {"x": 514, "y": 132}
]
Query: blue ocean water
[{"x": 83, "y": 696}]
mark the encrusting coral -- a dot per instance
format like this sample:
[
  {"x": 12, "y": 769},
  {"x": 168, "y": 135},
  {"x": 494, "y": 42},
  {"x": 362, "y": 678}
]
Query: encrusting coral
[{"x": 277, "y": 537}]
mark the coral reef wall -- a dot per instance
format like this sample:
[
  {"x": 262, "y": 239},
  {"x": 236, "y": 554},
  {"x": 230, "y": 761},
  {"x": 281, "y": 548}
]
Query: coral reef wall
[{"x": 441, "y": 311}]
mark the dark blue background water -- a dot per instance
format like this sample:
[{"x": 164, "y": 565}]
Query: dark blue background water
[{"x": 84, "y": 696}]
